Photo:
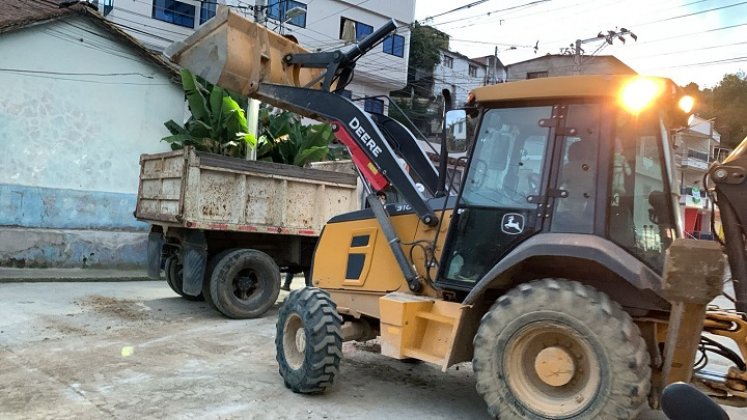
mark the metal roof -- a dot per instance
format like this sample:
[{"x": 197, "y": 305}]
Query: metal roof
[{"x": 558, "y": 87}]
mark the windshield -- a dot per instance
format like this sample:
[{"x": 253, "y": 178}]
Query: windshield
[{"x": 508, "y": 158}]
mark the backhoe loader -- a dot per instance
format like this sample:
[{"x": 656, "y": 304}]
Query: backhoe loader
[{"x": 556, "y": 265}]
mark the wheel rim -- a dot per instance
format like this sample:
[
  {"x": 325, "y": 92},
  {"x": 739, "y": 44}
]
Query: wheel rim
[
  {"x": 245, "y": 284},
  {"x": 294, "y": 341},
  {"x": 552, "y": 370}
]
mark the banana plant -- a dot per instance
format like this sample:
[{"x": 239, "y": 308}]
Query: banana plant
[
  {"x": 285, "y": 139},
  {"x": 217, "y": 124}
]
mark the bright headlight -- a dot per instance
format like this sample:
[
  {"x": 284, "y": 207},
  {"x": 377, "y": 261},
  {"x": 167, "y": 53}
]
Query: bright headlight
[
  {"x": 686, "y": 103},
  {"x": 639, "y": 93}
]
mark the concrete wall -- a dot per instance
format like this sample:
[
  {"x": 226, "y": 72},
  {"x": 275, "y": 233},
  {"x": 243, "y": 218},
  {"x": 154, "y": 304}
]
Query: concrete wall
[
  {"x": 457, "y": 78},
  {"x": 565, "y": 65},
  {"x": 74, "y": 119}
]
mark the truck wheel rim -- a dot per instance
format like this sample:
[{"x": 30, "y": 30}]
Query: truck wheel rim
[
  {"x": 294, "y": 341},
  {"x": 245, "y": 284},
  {"x": 552, "y": 370}
]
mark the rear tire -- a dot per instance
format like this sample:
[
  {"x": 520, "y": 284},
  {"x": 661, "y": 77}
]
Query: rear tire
[
  {"x": 308, "y": 341},
  {"x": 174, "y": 278},
  {"x": 209, "y": 274},
  {"x": 244, "y": 284},
  {"x": 556, "y": 349}
]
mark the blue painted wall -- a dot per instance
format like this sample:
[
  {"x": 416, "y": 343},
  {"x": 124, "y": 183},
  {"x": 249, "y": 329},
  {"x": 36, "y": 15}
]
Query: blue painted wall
[{"x": 57, "y": 208}]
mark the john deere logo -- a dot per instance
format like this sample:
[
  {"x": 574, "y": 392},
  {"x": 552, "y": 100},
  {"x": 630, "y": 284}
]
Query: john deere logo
[{"x": 512, "y": 224}]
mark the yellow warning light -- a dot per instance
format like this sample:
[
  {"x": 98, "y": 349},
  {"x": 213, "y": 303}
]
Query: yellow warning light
[
  {"x": 686, "y": 103},
  {"x": 639, "y": 93}
]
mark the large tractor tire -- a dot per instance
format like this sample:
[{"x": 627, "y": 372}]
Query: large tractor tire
[
  {"x": 174, "y": 279},
  {"x": 308, "y": 341},
  {"x": 556, "y": 349},
  {"x": 244, "y": 284}
]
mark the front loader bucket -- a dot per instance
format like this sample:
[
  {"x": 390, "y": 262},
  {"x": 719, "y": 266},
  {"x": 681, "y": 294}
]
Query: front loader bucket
[{"x": 237, "y": 54}]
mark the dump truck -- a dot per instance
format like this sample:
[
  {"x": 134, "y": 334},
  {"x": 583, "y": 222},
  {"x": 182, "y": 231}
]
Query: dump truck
[
  {"x": 224, "y": 226},
  {"x": 558, "y": 269}
]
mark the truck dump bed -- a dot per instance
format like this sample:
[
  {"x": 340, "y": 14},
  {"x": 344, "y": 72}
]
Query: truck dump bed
[{"x": 198, "y": 190}]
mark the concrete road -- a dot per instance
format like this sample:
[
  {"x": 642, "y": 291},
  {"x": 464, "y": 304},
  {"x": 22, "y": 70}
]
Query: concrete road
[{"x": 136, "y": 350}]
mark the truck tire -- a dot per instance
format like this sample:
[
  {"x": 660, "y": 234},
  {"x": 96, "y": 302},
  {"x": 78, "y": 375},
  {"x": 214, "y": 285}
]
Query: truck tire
[
  {"x": 209, "y": 273},
  {"x": 308, "y": 341},
  {"x": 244, "y": 284},
  {"x": 556, "y": 349},
  {"x": 173, "y": 271}
]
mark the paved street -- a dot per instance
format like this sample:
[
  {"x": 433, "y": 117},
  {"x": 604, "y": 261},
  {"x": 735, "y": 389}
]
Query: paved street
[{"x": 135, "y": 350}]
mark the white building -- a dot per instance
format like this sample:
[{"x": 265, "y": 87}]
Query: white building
[
  {"x": 458, "y": 75},
  {"x": 696, "y": 150},
  {"x": 326, "y": 25},
  {"x": 82, "y": 102}
]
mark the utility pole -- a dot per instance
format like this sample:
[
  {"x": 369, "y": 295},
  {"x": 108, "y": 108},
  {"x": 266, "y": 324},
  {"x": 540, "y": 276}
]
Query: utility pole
[
  {"x": 608, "y": 37},
  {"x": 252, "y": 107},
  {"x": 260, "y": 11}
]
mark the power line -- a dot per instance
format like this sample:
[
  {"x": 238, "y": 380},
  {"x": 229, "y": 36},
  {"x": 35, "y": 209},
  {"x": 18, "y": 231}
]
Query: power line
[
  {"x": 466, "y": 6},
  {"x": 338, "y": 12},
  {"x": 58, "y": 73},
  {"x": 100, "y": 82}
]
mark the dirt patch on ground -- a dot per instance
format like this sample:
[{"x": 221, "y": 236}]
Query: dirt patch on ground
[{"x": 121, "y": 308}]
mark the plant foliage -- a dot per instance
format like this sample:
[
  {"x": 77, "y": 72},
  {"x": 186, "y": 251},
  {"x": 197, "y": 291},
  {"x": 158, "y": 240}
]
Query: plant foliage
[
  {"x": 727, "y": 104},
  {"x": 217, "y": 125},
  {"x": 284, "y": 139}
]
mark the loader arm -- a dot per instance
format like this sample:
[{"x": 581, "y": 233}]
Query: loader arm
[
  {"x": 245, "y": 57},
  {"x": 239, "y": 55},
  {"x": 730, "y": 178}
]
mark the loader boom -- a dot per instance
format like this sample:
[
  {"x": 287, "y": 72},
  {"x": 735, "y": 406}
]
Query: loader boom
[{"x": 242, "y": 56}]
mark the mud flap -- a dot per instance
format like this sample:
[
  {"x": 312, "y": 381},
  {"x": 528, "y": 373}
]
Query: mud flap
[
  {"x": 155, "y": 245},
  {"x": 194, "y": 259}
]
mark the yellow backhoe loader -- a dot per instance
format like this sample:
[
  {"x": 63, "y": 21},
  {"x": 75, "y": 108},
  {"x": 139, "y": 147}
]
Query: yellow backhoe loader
[{"x": 555, "y": 264}]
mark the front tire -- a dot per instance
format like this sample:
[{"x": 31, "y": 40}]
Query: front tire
[
  {"x": 308, "y": 341},
  {"x": 556, "y": 349}
]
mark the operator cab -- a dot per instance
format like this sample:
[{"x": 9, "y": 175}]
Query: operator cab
[{"x": 587, "y": 155}]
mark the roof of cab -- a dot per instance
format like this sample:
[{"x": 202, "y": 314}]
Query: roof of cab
[{"x": 557, "y": 87}]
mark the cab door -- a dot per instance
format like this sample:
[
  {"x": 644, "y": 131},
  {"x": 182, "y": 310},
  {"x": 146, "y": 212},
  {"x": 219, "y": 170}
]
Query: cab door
[{"x": 501, "y": 201}]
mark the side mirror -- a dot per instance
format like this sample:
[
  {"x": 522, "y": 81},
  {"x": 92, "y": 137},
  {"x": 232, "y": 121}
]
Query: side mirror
[{"x": 455, "y": 130}]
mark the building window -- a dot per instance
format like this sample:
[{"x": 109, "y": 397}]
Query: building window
[
  {"x": 472, "y": 70},
  {"x": 395, "y": 45},
  {"x": 207, "y": 11},
  {"x": 448, "y": 61},
  {"x": 374, "y": 106},
  {"x": 279, "y": 9},
  {"x": 537, "y": 75},
  {"x": 175, "y": 12},
  {"x": 108, "y": 6},
  {"x": 697, "y": 155},
  {"x": 351, "y": 30}
]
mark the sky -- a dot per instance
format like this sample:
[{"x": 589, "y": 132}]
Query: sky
[{"x": 686, "y": 40}]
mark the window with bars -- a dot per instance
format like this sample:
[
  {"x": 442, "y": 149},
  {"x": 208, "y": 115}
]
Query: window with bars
[
  {"x": 174, "y": 12},
  {"x": 448, "y": 61},
  {"x": 278, "y": 10},
  {"x": 394, "y": 45}
]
